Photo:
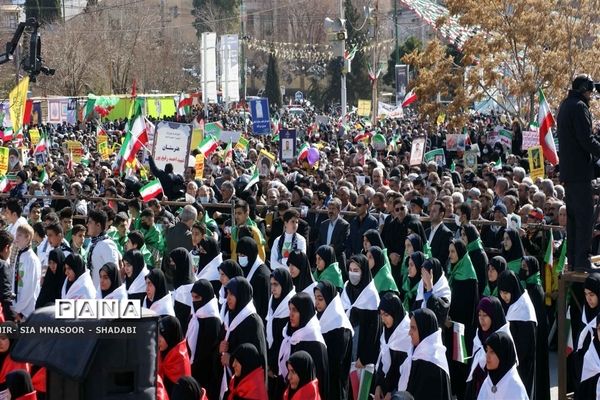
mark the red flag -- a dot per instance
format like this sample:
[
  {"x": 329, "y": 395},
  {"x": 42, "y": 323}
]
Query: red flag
[{"x": 27, "y": 113}]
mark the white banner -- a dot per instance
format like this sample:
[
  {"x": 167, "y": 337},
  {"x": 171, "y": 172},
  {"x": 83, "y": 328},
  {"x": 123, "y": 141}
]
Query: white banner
[
  {"x": 390, "y": 111},
  {"x": 172, "y": 145},
  {"x": 230, "y": 84},
  {"x": 208, "y": 46}
]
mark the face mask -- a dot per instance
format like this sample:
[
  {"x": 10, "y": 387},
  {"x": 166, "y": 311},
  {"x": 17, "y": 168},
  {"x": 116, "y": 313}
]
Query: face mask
[
  {"x": 457, "y": 220},
  {"x": 469, "y": 200},
  {"x": 203, "y": 199},
  {"x": 243, "y": 261},
  {"x": 12, "y": 162},
  {"x": 196, "y": 305},
  {"x": 354, "y": 277},
  {"x": 38, "y": 193}
]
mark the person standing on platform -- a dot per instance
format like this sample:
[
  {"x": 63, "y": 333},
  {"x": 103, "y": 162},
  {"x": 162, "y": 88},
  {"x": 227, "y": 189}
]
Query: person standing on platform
[{"x": 578, "y": 149}]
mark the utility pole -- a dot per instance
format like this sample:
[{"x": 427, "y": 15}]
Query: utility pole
[
  {"x": 243, "y": 47},
  {"x": 396, "y": 32},
  {"x": 375, "y": 64},
  {"x": 345, "y": 66}
]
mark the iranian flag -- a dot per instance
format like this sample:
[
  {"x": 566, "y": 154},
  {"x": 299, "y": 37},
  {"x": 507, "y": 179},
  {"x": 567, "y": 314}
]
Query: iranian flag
[
  {"x": 41, "y": 146},
  {"x": 303, "y": 151},
  {"x": 135, "y": 139},
  {"x": 497, "y": 165},
  {"x": 459, "y": 349},
  {"x": 184, "y": 106},
  {"x": 7, "y": 135},
  {"x": 410, "y": 98},
  {"x": 43, "y": 176},
  {"x": 546, "y": 122},
  {"x": 361, "y": 137},
  {"x": 253, "y": 179},
  {"x": 151, "y": 190},
  {"x": 208, "y": 146},
  {"x": 569, "y": 329},
  {"x": 549, "y": 268},
  {"x": 228, "y": 153}
]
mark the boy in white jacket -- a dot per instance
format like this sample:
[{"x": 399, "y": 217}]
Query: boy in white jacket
[{"x": 28, "y": 272}]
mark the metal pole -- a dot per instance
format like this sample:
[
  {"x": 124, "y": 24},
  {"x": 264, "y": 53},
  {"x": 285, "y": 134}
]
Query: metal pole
[
  {"x": 396, "y": 32},
  {"x": 343, "y": 85},
  {"x": 374, "y": 60},
  {"x": 243, "y": 47},
  {"x": 204, "y": 77}
]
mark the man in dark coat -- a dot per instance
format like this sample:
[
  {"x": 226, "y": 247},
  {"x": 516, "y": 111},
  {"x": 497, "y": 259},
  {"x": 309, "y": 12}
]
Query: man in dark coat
[
  {"x": 334, "y": 232},
  {"x": 439, "y": 236},
  {"x": 577, "y": 152},
  {"x": 361, "y": 223},
  {"x": 172, "y": 184}
]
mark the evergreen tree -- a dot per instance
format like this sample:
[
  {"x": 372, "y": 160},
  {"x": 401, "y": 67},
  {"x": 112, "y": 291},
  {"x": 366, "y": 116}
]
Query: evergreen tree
[
  {"x": 410, "y": 44},
  {"x": 272, "y": 88},
  {"x": 358, "y": 85}
]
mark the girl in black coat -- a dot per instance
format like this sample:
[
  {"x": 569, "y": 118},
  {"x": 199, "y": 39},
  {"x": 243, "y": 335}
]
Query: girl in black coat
[
  {"x": 228, "y": 270},
  {"x": 180, "y": 262},
  {"x": 360, "y": 299},
  {"x": 411, "y": 281},
  {"x": 520, "y": 312},
  {"x": 463, "y": 285},
  {"x": 53, "y": 280},
  {"x": 590, "y": 375},
  {"x": 470, "y": 236},
  {"x": 496, "y": 266},
  {"x": 530, "y": 276},
  {"x": 591, "y": 309},
  {"x": 490, "y": 319},
  {"x": 257, "y": 273},
  {"x": 337, "y": 332},
  {"x": 395, "y": 345},
  {"x": 303, "y": 332},
  {"x": 282, "y": 291},
  {"x": 205, "y": 330},
  {"x": 209, "y": 261},
  {"x": 299, "y": 267},
  {"x": 135, "y": 274},
  {"x": 242, "y": 324},
  {"x": 426, "y": 376}
]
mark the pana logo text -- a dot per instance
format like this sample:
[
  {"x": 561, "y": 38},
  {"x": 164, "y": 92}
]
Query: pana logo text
[{"x": 97, "y": 309}]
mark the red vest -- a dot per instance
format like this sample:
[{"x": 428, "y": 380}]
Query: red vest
[
  {"x": 176, "y": 364},
  {"x": 10, "y": 365},
  {"x": 28, "y": 396},
  {"x": 310, "y": 391},
  {"x": 39, "y": 380},
  {"x": 252, "y": 387},
  {"x": 161, "y": 392}
]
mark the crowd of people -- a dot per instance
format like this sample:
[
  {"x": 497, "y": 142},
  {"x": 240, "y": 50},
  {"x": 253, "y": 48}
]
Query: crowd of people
[{"x": 439, "y": 279}]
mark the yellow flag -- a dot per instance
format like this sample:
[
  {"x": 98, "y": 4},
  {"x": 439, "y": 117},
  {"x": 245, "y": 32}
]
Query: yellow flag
[
  {"x": 17, "y": 99},
  {"x": 34, "y": 135},
  {"x": 265, "y": 153},
  {"x": 3, "y": 160},
  {"x": 199, "y": 166}
]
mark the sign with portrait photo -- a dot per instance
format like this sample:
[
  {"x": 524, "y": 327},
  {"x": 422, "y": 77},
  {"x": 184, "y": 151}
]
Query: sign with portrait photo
[{"x": 536, "y": 162}]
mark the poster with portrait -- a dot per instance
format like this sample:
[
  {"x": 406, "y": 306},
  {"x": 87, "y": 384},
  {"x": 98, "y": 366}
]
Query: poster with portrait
[
  {"x": 455, "y": 142},
  {"x": 417, "y": 151},
  {"x": 536, "y": 162},
  {"x": 287, "y": 145},
  {"x": 470, "y": 159}
]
